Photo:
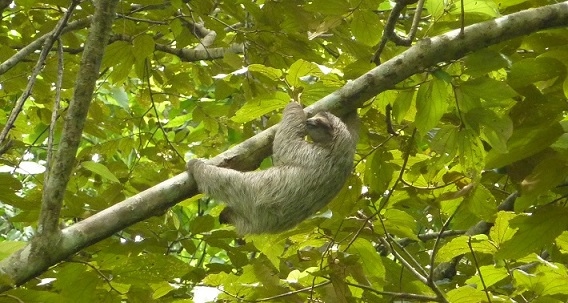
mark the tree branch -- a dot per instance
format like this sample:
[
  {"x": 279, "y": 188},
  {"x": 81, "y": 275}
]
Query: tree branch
[
  {"x": 20, "y": 267},
  {"x": 40, "y": 250},
  {"x": 49, "y": 41},
  {"x": 32, "y": 47}
]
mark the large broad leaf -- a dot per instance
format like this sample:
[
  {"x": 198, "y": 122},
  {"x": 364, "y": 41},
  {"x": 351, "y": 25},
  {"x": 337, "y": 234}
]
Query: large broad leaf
[
  {"x": 257, "y": 107},
  {"x": 120, "y": 56},
  {"x": 551, "y": 280},
  {"x": 431, "y": 104},
  {"x": 501, "y": 232},
  {"x": 380, "y": 171},
  {"x": 461, "y": 246},
  {"x": 525, "y": 142},
  {"x": 546, "y": 175},
  {"x": 471, "y": 152},
  {"x": 496, "y": 130},
  {"x": 370, "y": 259},
  {"x": 300, "y": 69},
  {"x": 329, "y": 7},
  {"x": 534, "y": 232},
  {"x": 488, "y": 89},
  {"x": 100, "y": 170},
  {"x": 400, "y": 224},
  {"x": 466, "y": 294},
  {"x": 365, "y": 27},
  {"x": 487, "y": 8},
  {"x": 529, "y": 71},
  {"x": 491, "y": 275},
  {"x": 270, "y": 72},
  {"x": 143, "y": 47}
]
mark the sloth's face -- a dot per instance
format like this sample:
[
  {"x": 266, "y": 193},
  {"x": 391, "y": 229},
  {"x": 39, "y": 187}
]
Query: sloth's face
[{"x": 320, "y": 128}]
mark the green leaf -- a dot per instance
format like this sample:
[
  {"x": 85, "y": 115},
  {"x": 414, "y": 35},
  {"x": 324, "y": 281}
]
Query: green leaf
[
  {"x": 201, "y": 224},
  {"x": 483, "y": 7},
  {"x": 488, "y": 89},
  {"x": 484, "y": 61},
  {"x": 400, "y": 224},
  {"x": 496, "y": 129},
  {"x": 75, "y": 281},
  {"x": 379, "y": 171},
  {"x": 525, "y": 142},
  {"x": 161, "y": 289},
  {"x": 472, "y": 153},
  {"x": 528, "y": 71},
  {"x": 507, "y": 3},
  {"x": 370, "y": 259},
  {"x": 299, "y": 69},
  {"x": 466, "y": 294},
  {"x": 143, "y": 47},
  {"x": 328, "y": 7},
  {"x": 273, "y": 251},
  {"x": 179, "y": 120},
  {"x": 445, "y": 142},
  {"x": 402, "y": 104},
  {"x": 121, "y": 97},
  {"x": 491, "y": 275},
  {"x": 534, "y": 232},
  {"x": 431, "y": 104},
  {"x": 260, "y": 106},
  {"x": 545, "y": 176},
  {"x": 119, "y": 56},
  {"x": 501, "y": 232},
  {"x": 350, "y": 192},
  {"x": 100, "y": 170},
  {"x": 562, "y": 242},
  {"x": 459, "y": 246},
  {"x": 551, "y": 280},
  {"x": 9, "y": 247},
  {"x": 436, "y": 8},
  {"x": 366, "y": 27},
  {"x": 272, "y": 73},
  {"x": 481, "y": 203}
]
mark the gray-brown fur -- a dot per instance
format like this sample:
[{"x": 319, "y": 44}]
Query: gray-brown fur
[{"x": 305, "y": 176}]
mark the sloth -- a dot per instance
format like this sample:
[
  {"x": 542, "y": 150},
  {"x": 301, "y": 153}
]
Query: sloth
[{"x": 305, "y": 176}]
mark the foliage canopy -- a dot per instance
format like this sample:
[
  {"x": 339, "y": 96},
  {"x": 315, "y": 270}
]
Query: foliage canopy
[{"x": 459, "y": 191}]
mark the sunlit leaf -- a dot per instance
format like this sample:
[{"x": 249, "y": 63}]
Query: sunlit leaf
[
  {"x": 371, "y": 261},
  {"x": 491, "y": 275},
  {"x": 257, "y": 107},
  {"x": 366, "y": 27},
  {"x": 299, "y": 69},
  {"x": 534, "y": 232},
  {"x": 501, "y": 230},
  {"x": 431, "y": 104},
  {"x": 101, "y": 170},
  {"x": 9, "y": 247},
  {"x": 466, "y": 294}
]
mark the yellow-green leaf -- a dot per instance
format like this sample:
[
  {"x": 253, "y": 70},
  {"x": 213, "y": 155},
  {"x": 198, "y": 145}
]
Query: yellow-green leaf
[{"x": 100, "y": 170}]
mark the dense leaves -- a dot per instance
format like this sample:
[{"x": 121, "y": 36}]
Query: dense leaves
[{"x": 458, "y": 194}]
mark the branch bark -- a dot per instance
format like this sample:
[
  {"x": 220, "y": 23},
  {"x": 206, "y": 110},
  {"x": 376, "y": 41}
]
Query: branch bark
[
  {"x": 22, "y": 266},
  {"x": 40, "y": 250}
]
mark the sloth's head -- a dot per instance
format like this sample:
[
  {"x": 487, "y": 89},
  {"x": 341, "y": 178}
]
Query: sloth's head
[{"x": 321, "y": 127}]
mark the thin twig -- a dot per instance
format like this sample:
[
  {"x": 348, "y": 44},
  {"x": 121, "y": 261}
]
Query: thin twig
[
  {"x": 396, "y": 295},
  {"x": 478, "y": 270},
  {"x": 56, "y": 33}
]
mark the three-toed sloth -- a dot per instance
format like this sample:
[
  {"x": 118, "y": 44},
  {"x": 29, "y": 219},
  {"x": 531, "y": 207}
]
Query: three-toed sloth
[{"x": 304, "y": 178}]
